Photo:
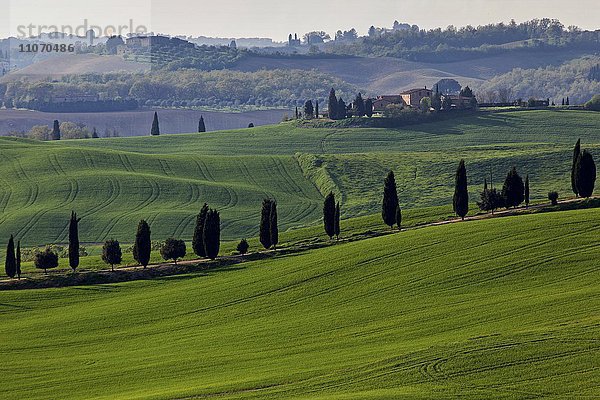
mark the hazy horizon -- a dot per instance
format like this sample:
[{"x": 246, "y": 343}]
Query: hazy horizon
[{"x": 276, "y": 19}]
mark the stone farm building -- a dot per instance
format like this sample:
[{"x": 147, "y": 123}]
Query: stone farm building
[{"x": 410, "y": 98}]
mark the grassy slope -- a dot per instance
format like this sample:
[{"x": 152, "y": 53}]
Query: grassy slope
[
  {"x": 115, "y": 182},
  {"x": 499, "y": 308}
]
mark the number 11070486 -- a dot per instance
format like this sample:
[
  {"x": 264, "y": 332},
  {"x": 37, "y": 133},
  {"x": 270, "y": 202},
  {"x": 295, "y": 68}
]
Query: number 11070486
[{"x": 46, "y": 48}]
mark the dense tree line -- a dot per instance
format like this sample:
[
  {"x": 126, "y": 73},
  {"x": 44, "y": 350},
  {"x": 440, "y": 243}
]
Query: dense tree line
[
  {"x": 187, "y": 88},
  {"x": 571, "y": 79},
  {"x": 455, "y": 44}
]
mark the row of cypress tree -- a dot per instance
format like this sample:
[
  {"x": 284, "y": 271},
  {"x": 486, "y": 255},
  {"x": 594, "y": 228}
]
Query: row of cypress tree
[{"x": 155, "y": 130}]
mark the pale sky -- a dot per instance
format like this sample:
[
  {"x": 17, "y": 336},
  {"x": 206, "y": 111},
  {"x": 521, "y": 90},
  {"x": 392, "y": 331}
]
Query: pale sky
[{"x": 277, "y": 18}]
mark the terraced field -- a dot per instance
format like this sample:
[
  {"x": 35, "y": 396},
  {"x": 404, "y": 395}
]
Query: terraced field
[
  {"x": 503, "y": 308},
  {"x": 113, "y": 183}
]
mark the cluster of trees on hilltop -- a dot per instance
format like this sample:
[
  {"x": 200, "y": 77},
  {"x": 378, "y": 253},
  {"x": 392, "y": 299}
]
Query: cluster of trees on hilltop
[
  {"x": 276, "y": 88},
  {"x": 574, "y": 79},
  {"x": 467, "y": 42}
]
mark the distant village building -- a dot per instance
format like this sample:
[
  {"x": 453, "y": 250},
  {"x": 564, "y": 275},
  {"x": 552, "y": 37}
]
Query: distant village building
[{"x": 293, "y": 41}]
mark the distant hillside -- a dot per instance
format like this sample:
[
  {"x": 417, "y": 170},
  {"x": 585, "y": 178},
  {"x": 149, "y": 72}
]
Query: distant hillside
[
  {"x": 572, "y": 79},
  {"x": 137, "y": 123},
  {"x": 390, "y": 75},
  {"x": 59, "y": 66}
]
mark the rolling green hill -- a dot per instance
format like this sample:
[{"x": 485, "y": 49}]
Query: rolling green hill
[
  {"x": 503, "y": 308},
  {"x": 113, "y": 183}
]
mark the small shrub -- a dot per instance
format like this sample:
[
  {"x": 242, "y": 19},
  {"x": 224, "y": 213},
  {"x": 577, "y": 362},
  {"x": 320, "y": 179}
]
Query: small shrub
[
  {"x": 553, "y": 197},
  {"x": 243, "y": 247},
  {"x": 111, "y": 253},
  {"x": 46, "y": 260},
  {"x": 173, "y": 249}
]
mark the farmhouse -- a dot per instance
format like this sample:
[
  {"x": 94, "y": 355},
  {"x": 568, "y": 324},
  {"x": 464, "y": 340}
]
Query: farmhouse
[
  {"x": 413, "y": 97},
  {"x": 382, "y": 102}
]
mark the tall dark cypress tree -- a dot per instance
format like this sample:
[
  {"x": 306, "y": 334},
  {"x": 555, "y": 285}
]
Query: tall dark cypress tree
[
  {"x": 155, "y": 127},
  {"x": 74, "y": 241},
  {"x": 359, "y": 106},
  {"x": 212, "y": 234},
  {"x": 198, "y": 238},
  {"x": 309, "y": 109},
  {"x": 18, "y": 257},
  {"x": 527, "y": 190},
  {"x": 265, "y": 224},
  {"x": 143, "y": 244},
  {"x": 576, "y": 153},
  {"x": 369, "y": 108},
  {"x": 585, "y": 174},
  {"x": 201, "y": 125},
  {"x": 333, "y": 105},
  {"x": 337, "y": 221},
  {"x": 390, "y": 200},
  {"x": 513, "y": 190},
  {"x": 273, "y": 226},
  {"x": 317, "y": 109},
  {"x": 329, "y": 215},
  {"x": 10, "y": 262},
  {"x": 460, "y": 201},
  {"x": 341, "y": 111},
  {"x": 56, "y": 130}
]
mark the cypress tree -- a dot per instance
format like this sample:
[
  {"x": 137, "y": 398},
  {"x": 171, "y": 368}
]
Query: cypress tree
[
  {"x": 297, "y": 113},
  {"x": 18, "y": 254},
  {"x": 359, "y": 105},
  {"x": 333, "y": 105},
  {"x": 369, "y": 108},
  {"x": 155, "y": 127},
  {"x": 10, "y": 262},
  {"x": 527, "y": 191},
  {"x": 317, "y": 109},
  {"x": 309, "y": 109},
  {"x": 567, "y": 102},
  {"x": 576, "y": 153},
  {"x": 399, "y": 217},
  {"x": 212, "y": 234},
  {"x": 198, "y": 238},
  {"x": 143, "y": 244},
  {"x": 74, "y": 241},
  {"x": 341, "y": 111},
  {"x": 265, "y": 224},
  {"x": 95, "y": 134},
  {"x": 56, "y": 130},
  {"x": 201, "y": 125},
  {"x": 460, "y": 200},
  {"x": 337, "y": 220},
  {"x": 273, "y": 227},
  {"x": 329, "y": 215},
  {"x": 390, "y": 200},
  {"x": 513, "y": 190},
  {"x": 563, "y": 101},
  {"x": 585, "y": 174}
]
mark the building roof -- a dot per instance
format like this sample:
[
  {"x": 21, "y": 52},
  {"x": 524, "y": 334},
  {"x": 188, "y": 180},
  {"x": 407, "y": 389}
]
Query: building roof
[{"x": 415, "y": 90}]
